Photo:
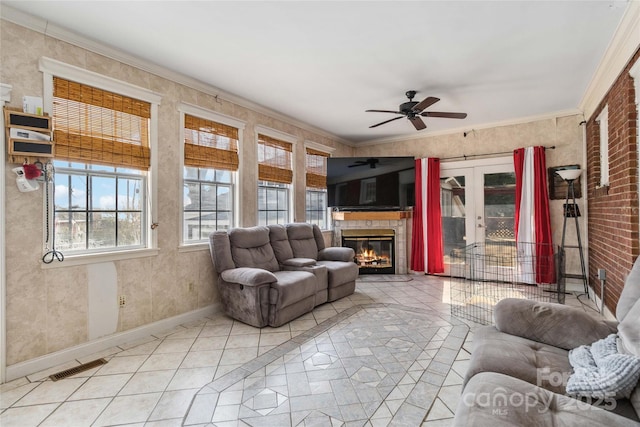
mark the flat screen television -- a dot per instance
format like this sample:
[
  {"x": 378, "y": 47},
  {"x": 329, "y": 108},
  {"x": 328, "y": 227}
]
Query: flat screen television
[{"x": 370, "y": 183}]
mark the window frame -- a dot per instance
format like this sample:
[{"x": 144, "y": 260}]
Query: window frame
[
  {"x": 194, "y": 110},
  {"x": 87, "y": 173},
  {"x": 310, "y": 192},
  {"x": 278, "y": 187},
  {"x": 329, "y": 152},
  {"x": 50, "y": 68},
  {"x": 603, "y": 122},
  {"x": 290, "y": 188}
]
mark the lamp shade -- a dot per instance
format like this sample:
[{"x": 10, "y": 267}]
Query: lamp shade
[{"x": 569, "y": 174}]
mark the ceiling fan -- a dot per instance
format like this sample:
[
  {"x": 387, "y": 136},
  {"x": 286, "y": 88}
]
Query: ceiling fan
[
  {"x": 372, "y": 162},
  {"x": 412, "y": 110}
]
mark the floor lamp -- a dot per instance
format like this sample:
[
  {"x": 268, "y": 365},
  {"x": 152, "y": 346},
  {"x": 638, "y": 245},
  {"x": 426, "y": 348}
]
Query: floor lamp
[{"x": 570, "y": 176}]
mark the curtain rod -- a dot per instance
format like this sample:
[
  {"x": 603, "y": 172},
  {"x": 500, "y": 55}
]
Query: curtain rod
[{"x": 465, "y": 157}]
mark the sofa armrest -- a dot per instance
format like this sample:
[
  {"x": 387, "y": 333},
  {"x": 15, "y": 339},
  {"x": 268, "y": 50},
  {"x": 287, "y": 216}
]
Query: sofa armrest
[
  {"x": 248, "y": 276},
  {"x": 336, "y": 253},
  {"x": 299, "y": 262},
  {"x": 553, "y": 324}
]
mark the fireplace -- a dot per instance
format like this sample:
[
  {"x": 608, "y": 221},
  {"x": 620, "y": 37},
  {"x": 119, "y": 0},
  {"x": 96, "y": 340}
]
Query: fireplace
[{"x": 374, "y": 249}]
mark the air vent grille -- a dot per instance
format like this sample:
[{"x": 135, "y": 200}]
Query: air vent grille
[{"x": 77, "y": 369}]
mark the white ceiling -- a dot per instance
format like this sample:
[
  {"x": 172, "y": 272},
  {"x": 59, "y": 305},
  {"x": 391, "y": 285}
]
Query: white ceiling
[{"x": 325, "y": 63}]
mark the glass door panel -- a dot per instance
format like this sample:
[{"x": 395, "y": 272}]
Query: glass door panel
[
  {"x": 454, "y": 213},
  {"x": 497, "y": 229},
  {"x": 478, "y": 206}
]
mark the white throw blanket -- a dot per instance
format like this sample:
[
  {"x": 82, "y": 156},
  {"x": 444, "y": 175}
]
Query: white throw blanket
[{"x": 601, "y": 371}]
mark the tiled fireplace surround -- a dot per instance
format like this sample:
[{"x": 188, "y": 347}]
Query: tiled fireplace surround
[{"x": 400, "y": 223}]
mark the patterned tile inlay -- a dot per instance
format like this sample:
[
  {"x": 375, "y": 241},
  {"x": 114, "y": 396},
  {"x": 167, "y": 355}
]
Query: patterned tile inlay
[{"x": 375, "y": 361}]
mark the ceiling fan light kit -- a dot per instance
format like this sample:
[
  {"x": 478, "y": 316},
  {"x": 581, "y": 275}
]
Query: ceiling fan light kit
[{"x": 413, "y": 111}]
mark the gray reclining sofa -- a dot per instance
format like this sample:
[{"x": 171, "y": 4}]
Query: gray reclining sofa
[
  {"x": 271, "y": 275},
  {"x": 519, "y": 370}
]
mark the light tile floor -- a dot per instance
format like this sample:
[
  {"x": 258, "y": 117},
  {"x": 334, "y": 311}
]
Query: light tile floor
[{"x": 153, "y": 382}]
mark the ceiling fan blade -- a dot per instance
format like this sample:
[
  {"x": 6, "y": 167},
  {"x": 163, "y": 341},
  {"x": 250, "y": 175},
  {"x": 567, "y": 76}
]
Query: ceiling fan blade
[
  {"x": 427, "y": 102},
  {"x": 417, "y": 123},
  {"x": 382, "y": 111},
  {"x": 386, "y": 121},
  {"x": 444, "y": 115}
]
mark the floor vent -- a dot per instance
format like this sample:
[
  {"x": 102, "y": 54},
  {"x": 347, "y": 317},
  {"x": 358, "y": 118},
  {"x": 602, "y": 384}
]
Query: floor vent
[{"x": 77, "y": 369}]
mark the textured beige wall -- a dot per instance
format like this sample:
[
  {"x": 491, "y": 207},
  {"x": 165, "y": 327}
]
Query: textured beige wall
[
  {"x": 47, "y": 307},
  {"x": 565, "y": 133}
]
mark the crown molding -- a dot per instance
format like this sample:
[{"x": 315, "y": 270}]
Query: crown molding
[
  {"x": 204, "y": 113},
  {"x": 510, "y": 122},
  {"x": 320, "y": 147},
  {"x": 624, "y": 43},
  {"x": 51, "y": 30},
  {"x": 274, "y": 133}
]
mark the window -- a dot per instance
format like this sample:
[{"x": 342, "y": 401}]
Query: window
[
  {"x": 102, "y": 160},
  {"x": 603, "y": 120},
  {"x": 316, "y": 197},
  {"x": 98, "y": 207},
  {"x": 275, "y": 175},
  {"x": 208, "y": 202},
  {"x": 210, "y": 167},
  {"x": 273, "y": 203}
]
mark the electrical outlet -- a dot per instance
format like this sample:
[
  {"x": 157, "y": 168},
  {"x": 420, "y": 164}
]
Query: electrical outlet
[
  {"x": 122, "y": 301},
  {"x": 602, "y": 274}
]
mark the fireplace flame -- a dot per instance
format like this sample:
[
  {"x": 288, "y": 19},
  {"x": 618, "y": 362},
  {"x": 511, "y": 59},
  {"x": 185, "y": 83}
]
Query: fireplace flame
[{"x": 369, "y": 255}]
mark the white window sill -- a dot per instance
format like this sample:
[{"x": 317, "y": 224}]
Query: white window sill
[
  {"x": 195, "y": 247},
  {"x": 84, "y": 259}
]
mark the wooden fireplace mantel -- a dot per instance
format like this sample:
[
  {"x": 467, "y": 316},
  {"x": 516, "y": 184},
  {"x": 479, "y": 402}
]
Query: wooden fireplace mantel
[{"x": 370, "y": 215}]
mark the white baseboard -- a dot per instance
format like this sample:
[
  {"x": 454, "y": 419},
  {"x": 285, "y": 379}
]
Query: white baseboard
[{"x": 48, "y": 361}]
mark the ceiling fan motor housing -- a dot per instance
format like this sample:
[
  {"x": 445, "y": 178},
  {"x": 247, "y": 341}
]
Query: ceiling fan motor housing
[{"x": 406, "y": 107}]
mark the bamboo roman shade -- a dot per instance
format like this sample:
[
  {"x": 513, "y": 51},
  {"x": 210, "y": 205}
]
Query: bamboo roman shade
[
  {"x": 208, "y": 144},
  {"x": 316, "y": 168},
  {"x": 274, "y": 160},
  {"x": 97, "y": 126}
]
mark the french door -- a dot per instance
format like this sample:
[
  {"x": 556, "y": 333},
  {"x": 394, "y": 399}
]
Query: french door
[{"x": 478, "y": 206}]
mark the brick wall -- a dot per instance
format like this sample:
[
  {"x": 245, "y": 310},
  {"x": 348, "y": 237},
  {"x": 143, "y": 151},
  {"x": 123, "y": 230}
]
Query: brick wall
[{"x": 613, "y": 211}]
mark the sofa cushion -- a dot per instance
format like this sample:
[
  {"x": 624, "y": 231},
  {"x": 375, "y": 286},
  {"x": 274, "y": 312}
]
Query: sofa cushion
[
  {"x": 302, "y": 240},
  {"x": 630, "y": 293},
  {"x": 554, "y": 324},
  {"x": 530, "y": 361},
  {"x": 337, "y": 253},
  {"x": 291, "y": 287},
  {"x": 220, "y": 250},
  {"x": 280, "y": 242},
  {"x": 340, "y": 272},
  {"x": 251, "y": 247},
  {"x": 299, "y": 262},
  {"x": 629, "y": 331},
  {"x": 248, "y": 276},
  {"x": 497, "y": 400},
  {"x": 317, "y": 234}
]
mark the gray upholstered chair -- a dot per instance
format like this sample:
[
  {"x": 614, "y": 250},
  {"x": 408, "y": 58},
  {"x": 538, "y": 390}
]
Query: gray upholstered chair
[
  {"x": 306, "y": 241},
  {"x": 251, "y": 285}
]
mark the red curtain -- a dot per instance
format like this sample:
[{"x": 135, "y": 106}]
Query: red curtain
[
  {"x": 417, "y": 241},
  {"x": 518, "y": 165},
  {"x": 542, "y": 236},
  {"x": 435, "y": 246},
  {"x": 545, "y": 271}
]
